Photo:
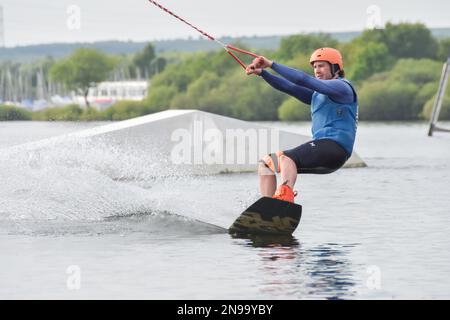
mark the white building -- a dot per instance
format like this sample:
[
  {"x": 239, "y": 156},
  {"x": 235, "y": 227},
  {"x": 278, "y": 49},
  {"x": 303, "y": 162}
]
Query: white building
[{"x": 107, "y": 93}]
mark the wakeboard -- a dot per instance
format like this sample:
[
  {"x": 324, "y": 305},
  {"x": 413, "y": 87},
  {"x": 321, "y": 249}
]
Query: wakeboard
[{"x": 268, "y": 216}]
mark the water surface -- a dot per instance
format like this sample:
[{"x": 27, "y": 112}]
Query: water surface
[{"x": 379, "y": 232}]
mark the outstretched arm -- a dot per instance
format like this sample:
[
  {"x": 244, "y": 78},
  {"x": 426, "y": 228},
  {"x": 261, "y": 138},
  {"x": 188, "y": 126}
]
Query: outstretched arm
[
  {"x": 337, "y": 90},
  {"x": 301, "y": 93}
]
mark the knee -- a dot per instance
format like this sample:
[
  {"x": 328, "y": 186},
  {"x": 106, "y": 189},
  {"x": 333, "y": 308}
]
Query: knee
[
  {"x": 286, "y": 162},
  {"x": 283, "y": 159},
  {"x": 270, "y": 164},
  {"x": 264, "y": 169}
]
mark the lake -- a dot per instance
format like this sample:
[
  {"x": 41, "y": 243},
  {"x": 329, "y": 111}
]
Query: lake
[{"x": 380, "y": 232}]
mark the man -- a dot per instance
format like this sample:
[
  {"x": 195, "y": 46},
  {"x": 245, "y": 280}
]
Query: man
[{"x": 334, "y": 111}]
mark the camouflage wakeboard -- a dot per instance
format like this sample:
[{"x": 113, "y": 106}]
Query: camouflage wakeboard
[{"x": 268, "y": 216}]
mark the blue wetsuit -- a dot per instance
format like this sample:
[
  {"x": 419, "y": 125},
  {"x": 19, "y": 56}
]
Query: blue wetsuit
[{"x": 334, "y": 111}]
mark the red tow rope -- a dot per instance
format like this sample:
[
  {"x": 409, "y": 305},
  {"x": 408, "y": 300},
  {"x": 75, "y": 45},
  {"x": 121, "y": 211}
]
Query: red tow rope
[{"x": 227, "y": 47}]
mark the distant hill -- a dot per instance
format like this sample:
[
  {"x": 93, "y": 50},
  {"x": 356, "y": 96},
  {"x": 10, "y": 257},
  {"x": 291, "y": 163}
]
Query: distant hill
[{"x": 60, "y": 50}]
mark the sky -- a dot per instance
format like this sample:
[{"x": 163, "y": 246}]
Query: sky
[{"x": 47, "y": 21}]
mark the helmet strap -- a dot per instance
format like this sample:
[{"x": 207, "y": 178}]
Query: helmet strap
[{"x": 335, "y": 70}]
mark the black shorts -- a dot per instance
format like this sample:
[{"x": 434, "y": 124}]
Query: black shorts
[{"x": 318, "y": 156}]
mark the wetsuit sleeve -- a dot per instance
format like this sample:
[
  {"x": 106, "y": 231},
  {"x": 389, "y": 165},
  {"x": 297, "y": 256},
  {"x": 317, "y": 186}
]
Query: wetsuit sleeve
[
  {"x": 301, "y": 93},
  {"x": 338, "y": 90}
]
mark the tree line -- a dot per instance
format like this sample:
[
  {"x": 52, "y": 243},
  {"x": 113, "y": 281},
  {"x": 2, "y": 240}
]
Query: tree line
[{"x": 395, "y": 70}]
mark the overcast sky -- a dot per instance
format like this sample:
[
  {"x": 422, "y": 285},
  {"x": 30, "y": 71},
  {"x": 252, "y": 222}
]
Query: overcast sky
[{"x": 47, "y": 21}]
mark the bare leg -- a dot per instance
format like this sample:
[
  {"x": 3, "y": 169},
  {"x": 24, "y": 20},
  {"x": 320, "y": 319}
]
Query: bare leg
[
  {"x": 288, "y": 171},
  {"x": 267, "y": 181}
]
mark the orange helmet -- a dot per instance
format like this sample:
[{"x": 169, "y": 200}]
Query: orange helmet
[{"x": 330, "y": 55}]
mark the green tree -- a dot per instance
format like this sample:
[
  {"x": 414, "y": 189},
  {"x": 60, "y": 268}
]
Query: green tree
[
  {"x": 123, "y": 110},
  {"x": 157, "y": 66},
  {"x": 425, "y": 93},
  {"x": 147, "y": 62},
  {"x": 418, "y": 71},
  {"x": 83, "y": 69},
  {"x": 445, "y": 109},
  {"x": 160, "y": 97},
  {"x": 180, "y": 75},
  {"x": 388, "y": 101},
  {"x": 196, "y": 92},
  {"x": 251, "y": 98},
  {"x": 91, "y": 114},
  {"x": 444, "y": 49},
  {"x": 144, "y": 59},
  {"x": 71, "y": 112},
  {"x": 294, "y": 110},
  {"x": 401, "y": 93},
  {"x": 191, "y": 80},
  {"x": 404, "y": 40},
  {"x": 10, "y": 113},
  {"x": 303, "y": 43},
  {"x": 301, "y": 62},
  {"x": 370, "y": 59}
]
